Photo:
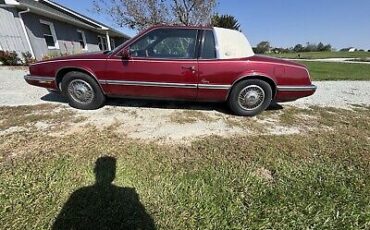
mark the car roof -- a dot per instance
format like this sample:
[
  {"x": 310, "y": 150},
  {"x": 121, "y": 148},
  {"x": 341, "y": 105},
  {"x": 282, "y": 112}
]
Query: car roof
[{"x": 180, "y": 26}]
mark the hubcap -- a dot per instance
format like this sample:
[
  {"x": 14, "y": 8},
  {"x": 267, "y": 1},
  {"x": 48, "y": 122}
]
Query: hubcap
[
  {"x": 81, "y": 91},
  {"x": 251, "y": 97}
]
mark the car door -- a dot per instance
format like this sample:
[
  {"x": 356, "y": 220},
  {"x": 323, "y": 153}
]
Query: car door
[{"x": 162, "y": 64}]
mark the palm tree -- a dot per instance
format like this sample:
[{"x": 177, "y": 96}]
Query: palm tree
[{"x": 226, "y": 21}]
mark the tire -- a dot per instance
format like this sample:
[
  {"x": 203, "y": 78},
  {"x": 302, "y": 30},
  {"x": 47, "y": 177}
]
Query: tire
[
  {"x": 82, "y": 91},
  {"x": 259, "y": 95}
]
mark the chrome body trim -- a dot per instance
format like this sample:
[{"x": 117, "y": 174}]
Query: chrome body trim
[
  {"x": 148, "y": 84},
  {"x": 40, "y": 79},
  {"x": 208, "y": 86},
  {"x": 164, "y": 84},
  {"x": 296, "y": 88}
]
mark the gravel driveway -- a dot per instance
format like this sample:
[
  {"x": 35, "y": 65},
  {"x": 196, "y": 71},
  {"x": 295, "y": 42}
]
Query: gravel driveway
[
  {"x": 176, "y": 121},
  {"x": 14, "y": 91}
]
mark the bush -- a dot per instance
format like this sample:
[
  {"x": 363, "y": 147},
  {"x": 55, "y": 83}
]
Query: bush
[
  {"x": 52, "y": 55},
  {"x": 27, "y": 58},
  {"x": 9, "y": 58},
  {"x": 262, "y": 47}
]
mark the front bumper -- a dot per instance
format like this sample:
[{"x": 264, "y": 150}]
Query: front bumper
[{"x": 41, "y": 81}]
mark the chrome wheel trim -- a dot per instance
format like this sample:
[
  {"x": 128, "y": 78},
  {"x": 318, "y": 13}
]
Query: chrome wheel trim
[
  {"x": 251, "y": 97},
  {"x": 81, "y": 91}
]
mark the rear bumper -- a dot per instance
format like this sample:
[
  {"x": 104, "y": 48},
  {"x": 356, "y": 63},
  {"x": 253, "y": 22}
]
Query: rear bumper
[
  {"x": 297, "y": 88},
  {"x": 41, "y": 81},
  {"x": 294, "y": 92}
]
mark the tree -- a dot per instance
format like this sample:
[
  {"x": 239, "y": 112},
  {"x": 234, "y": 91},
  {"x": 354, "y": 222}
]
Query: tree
[
  {"x": 263, "y": 47},
  {"x": 320, "y": 47},
  {"x": 226, "y": 21},
  {"x": 298, "y": 48},
  {"x": 310, "y": 47},
  {"x": 327, "y": 47},
  {"x": 140, "y": 14}
]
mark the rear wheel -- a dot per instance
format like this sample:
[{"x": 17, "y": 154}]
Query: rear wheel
[
  {"x": 82, "y": 91},
  {"x": 250, "y": 97}
]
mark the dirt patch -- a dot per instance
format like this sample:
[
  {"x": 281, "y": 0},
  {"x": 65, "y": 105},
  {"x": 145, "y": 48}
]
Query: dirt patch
[
  {"x": 190, "y": 116},
  {"x": 264, "y": 174},
  {"x": 167, "y": 125}
]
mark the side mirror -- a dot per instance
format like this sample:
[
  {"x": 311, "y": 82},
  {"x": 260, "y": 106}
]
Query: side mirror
[{"x": 126, "y": 55}]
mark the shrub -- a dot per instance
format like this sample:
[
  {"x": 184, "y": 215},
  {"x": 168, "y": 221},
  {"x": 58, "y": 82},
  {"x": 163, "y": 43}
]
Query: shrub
[
  {"x": 27, "y": 58},
  {"x": 262, "y": 47},
  {"x": 53, "y": 54},
  {"x": 9, "y": 58}
]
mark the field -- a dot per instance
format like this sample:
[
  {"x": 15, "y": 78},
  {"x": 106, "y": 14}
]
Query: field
[
  {"x": 319, "y": 55},
  {"x": 316, "y": 180},
  {"x": 322, "y": 71}
]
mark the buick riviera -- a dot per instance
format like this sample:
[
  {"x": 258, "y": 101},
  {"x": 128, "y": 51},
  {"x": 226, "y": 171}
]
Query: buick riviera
[{"x": 177, "y": 63}]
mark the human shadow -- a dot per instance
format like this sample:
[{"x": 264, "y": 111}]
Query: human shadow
[
  {"x": 161, "y": 104},
  {"x": 104, "y": 205}
]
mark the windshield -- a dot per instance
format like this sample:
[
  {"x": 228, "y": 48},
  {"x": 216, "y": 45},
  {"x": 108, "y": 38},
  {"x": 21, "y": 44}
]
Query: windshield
[{"x": 126, "y": 42}]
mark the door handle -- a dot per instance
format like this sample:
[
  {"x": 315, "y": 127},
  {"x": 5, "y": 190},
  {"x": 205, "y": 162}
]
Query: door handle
[{"x": 192, "y": 68}]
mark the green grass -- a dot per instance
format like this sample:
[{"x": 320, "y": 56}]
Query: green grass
[
  {"x": 318, "y": 55},
  {"x": 321, "y": 71},
  {"x": 320, "y": 180}
]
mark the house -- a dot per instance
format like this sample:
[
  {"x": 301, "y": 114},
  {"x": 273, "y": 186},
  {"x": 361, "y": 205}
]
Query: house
[{"x": 45, "y": 28}]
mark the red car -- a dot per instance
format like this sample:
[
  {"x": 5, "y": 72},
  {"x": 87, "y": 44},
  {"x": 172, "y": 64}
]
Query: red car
[{"x": 179, "y": 63}]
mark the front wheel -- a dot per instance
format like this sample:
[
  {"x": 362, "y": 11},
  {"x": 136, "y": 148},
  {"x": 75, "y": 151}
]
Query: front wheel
[
  {"x": 250, "y": 97},
  {"x": 82, "y": 91}
]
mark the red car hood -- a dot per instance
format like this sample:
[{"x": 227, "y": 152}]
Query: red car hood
[
  {"x": 262, "y": 58},
  {"x": 95, "y": 55}
]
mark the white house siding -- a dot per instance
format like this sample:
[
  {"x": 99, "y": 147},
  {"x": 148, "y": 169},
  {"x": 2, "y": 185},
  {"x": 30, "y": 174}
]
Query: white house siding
[
  {"x": 12, "y": 37},
  {"x": 66, "y": 34}
]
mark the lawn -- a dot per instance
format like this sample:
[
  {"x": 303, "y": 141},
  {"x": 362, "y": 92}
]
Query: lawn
[
  {"x": 318, "y": 55},
  {"x": 322, "y": 71},
  {"x": 316, "y": 180}
]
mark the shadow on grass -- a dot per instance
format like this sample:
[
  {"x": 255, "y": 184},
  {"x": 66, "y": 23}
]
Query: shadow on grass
[
  {"x": 161, "y": 104},
  {"x": 104, "y": 205}
]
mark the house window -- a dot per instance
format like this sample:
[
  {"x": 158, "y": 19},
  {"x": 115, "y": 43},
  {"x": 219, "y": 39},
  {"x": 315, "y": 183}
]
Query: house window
[
  {"x": 50, "y": 36},
  {"x": 102, "y": 42},
  {"x": 82, "y": 39}
]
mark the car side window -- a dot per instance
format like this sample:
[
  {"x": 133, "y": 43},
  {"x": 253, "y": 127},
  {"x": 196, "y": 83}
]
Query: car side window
[
  {"x": 209, "y": 46},
  {"x": 167, "y": 44}
]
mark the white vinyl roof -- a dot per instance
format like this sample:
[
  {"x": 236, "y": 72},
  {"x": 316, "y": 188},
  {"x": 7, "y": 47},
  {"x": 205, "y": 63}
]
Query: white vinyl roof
[{"x": 231, "y": 44}]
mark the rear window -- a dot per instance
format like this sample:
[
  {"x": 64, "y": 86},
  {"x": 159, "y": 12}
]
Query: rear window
[{"x": 209, "y": 46}]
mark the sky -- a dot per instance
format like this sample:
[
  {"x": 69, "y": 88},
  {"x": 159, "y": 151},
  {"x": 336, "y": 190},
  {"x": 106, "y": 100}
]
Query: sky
[{"x": 284, "y": 23}]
